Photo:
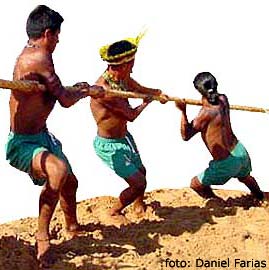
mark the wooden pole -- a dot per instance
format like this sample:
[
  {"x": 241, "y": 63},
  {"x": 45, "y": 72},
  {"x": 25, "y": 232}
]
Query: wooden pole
[{"x": 28, "y": 86}]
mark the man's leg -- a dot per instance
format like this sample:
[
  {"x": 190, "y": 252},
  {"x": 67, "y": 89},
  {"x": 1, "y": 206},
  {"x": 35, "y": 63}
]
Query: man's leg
[
  {"x": 253, "y": 186},
  {"x": 136, "y": 189},
  {"x": 204, "y": 191},
  {"x": 46, "y": 165},
  {"x": 69, "y": 204},
  {"x": 139, "y": 205}
]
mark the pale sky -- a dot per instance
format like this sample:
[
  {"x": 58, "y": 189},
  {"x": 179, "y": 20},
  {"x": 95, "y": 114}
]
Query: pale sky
[{"x": 227, "y": 38}]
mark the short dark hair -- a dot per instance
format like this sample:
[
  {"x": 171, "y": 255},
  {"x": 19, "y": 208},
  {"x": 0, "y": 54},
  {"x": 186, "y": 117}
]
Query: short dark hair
[
  {"x": 42, "y": 18},
  {"x": 207, "y": 85},
  {"x": 120, "y": 47}
]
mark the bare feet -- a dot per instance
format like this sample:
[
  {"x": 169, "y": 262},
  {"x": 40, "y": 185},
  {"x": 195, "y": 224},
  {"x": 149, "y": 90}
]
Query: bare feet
[
  {"x": 45, "y": 256},
  {"x": 118, "y": 219},
  {"x": 139, "y": 208},
  {"x": 76, "y": 231},
  {"x": 204, "y": 191},
  {"x": 252, "y": 184},
  {"x": 258, "y": 195}
]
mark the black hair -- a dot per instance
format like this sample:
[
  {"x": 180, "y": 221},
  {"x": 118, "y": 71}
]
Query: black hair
[
  {"x": 207, "y": 85},
  {"x": 42, "y": 18},
  {"x": 120, "y": 47}
]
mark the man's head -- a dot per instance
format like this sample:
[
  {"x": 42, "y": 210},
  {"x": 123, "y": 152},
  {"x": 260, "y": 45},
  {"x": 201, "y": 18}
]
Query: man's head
[
  {"x": 44, "y": 25},
  {"x": 120, "y": 57},
  {"x": 207, "y": 85},
  {"x": 119, "y": 52},
  {"x": 43, "y": 18},
  {"x": 122, "y": 47}
]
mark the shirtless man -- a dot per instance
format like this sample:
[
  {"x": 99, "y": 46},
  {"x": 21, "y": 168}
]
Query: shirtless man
[
  {"x": 113, "y": 143},
  {"x": 30, "y": 147},
  {"x": 230, "y": 158}
]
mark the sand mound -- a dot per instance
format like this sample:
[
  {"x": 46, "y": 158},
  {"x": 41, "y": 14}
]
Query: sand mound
[{"x": 180, "y": 230}]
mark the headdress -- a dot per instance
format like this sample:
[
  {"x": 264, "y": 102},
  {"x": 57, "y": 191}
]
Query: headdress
[{"x": 121, "y": 51}]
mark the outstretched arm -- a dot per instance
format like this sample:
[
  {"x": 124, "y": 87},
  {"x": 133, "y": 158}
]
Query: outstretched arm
[
  {"x": 122, "y": 107},
  {"x": 136, "y": 87}
]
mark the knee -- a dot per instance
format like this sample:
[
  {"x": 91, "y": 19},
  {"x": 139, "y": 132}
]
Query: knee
[
  {"x": 143, "y": 170},
  {"x": 57, "y": 174},
  {"x": 141, "y": 184},
  {"x": 195, "y": 183},
  {"x": 245, "y": 179},
  {"x": 71, "y": 183}
]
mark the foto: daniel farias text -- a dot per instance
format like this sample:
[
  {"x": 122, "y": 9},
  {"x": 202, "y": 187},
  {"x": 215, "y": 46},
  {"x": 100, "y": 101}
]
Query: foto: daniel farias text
[{"x": 226, "y": 263}]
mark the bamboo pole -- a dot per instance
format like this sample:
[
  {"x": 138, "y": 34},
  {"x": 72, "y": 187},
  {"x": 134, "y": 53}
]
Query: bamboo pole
[
  {"x": 24, "y": 86},
  {"x": 28, "y": 86}
]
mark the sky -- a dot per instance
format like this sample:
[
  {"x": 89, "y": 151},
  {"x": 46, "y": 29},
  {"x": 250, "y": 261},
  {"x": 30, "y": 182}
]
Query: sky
[{"x": 227, "y": 38}]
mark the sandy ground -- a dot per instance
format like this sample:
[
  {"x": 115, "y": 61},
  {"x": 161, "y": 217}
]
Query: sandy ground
[{"x": 180, "y": 230}]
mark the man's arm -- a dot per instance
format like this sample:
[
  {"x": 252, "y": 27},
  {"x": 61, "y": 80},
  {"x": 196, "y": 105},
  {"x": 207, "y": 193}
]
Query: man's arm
[
  {"x": 136, "y": 87},
  {"x": 189, "y": 129},
  {"x": 123, "y": 108},
  {"x": 55, "y": 87}
]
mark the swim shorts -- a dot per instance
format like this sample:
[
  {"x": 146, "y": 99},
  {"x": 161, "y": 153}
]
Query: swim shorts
[
  {"x": 21, "y": 149},
  {"x": 237, "y": 164},
  {"x": 121, "y": 155}
]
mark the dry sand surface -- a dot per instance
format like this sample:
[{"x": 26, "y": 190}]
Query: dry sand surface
[{"x": 179, "y": 227}]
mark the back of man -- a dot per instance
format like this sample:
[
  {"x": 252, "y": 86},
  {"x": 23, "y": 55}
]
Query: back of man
[
  {"x": 217, "y": 131},
  {"x": 29, "y": 111}
]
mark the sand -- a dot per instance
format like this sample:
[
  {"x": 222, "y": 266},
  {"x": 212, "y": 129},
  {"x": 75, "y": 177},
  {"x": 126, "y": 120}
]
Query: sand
[{"x": 180, "y": 230}]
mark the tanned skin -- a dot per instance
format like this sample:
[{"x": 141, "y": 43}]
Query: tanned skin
[
  {"x": 213, "y": 122},
  {"x": 28, "y": 115},
  {"x": 112, "y": 115}
]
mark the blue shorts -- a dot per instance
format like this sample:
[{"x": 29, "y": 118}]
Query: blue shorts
[
  {"x": 237, "y": 165},
  {"x": 121, "y": 155},
  {"x": 21, "y": 149}
]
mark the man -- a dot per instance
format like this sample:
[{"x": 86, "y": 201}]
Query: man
[
  {"x": 230, "y": 158},
  {"x": 114, "y": 144},
  {"x": 30, "y": 147}
]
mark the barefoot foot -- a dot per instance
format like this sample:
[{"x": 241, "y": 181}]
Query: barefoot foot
[{"x": 45, "y": 255}]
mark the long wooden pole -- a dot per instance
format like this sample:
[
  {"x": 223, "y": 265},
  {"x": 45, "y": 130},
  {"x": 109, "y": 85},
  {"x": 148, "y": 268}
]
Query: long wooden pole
[{"x": 28, "y": 86}]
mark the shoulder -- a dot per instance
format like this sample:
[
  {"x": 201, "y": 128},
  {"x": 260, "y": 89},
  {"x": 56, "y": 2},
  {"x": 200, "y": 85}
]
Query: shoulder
[
  {"x": 206, "y": 114},
  {"x": 38, "y": 60},
  {"x": 130, "y": 82},
  {"x": 223, "y": 97},
  {"x": 101, "y": 81},
  {"x": 43, "y": 57}
]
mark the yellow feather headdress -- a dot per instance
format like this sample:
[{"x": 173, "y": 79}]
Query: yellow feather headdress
[{"x": 122, "y": 57}]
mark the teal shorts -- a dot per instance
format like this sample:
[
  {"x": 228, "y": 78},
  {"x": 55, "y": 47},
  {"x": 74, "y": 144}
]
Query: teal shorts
[
  {"x": 121, "y": 155},
  {"x": 21, "y": 149},
  {"x": 237, "y": 165}
]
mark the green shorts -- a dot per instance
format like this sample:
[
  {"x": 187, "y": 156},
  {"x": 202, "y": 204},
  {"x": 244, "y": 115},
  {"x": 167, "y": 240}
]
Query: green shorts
[
  {"x": 121, "y": 155},
  {"x": 21, "y": 149},
  {"x": 236, "y": 165}
]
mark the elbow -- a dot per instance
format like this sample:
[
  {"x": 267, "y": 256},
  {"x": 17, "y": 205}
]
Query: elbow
[
  {"x": 131, "y": 119},
  {"x": 65, "y": 104},
  {"x": 185, "y": 138}
]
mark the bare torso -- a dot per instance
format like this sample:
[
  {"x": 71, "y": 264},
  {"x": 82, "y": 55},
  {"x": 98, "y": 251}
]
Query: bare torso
[
  {"x": 110, "y": 124},
  {"x": 29, "y": 111},
  {"x": 216, "y": 128}
]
